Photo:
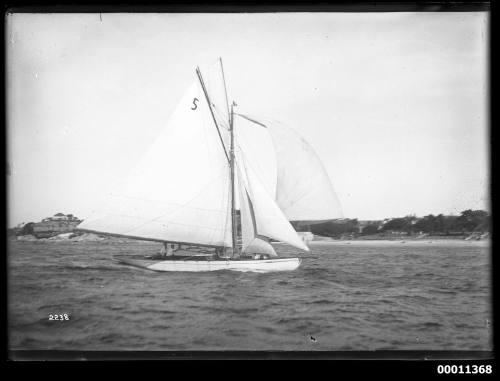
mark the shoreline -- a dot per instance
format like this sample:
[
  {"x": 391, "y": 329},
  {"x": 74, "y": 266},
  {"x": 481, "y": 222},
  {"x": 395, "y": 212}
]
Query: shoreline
[
  {"x": 402, "y": 242},
  {"x": 379, "y": 241}
]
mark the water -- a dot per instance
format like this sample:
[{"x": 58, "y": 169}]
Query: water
[{"x": 344, "y": 296}]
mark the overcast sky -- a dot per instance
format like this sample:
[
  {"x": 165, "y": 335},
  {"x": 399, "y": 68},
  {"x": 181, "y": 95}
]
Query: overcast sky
[{"x": 395, "y": 104}]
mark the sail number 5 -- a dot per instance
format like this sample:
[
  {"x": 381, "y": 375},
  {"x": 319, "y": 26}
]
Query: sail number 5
[{"x": 194, "y": 104}]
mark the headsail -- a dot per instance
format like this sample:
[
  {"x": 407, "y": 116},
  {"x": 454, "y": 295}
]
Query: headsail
[
  {"x": 261, "y": 246},
  {"x": 179, "y": 191},
  {"x": 251, "y": 243},
  {"x": 303, "y": 189},
  {"x": 268, "y": 221},
  {"x": 256, "y": 147}
]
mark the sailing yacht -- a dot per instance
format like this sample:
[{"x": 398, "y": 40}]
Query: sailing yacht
[{"x": 186, "y": 188}]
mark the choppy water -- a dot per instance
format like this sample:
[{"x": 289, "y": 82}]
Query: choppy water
[{"x": 347, "y": 296}]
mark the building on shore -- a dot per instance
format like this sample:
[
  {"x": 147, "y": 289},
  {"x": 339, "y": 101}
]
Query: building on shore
[{"x": 58, "y": 224}]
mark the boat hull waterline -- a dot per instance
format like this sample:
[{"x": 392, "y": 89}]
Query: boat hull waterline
[{"x": 251, "y": 265}]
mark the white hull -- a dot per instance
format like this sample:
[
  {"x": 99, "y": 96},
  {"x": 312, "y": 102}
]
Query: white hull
[{"x": 254, "y": 265}]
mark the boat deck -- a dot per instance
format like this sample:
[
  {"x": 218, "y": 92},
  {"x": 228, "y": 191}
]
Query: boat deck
[{"x": 154, "y": 259}]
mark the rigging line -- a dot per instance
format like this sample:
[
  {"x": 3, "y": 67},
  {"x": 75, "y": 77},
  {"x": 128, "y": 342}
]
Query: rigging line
[
  {"x": 220, "y": 117},
  {"x": 251, "y": 120},
  {"x": 225, "y": 88},
  {"x": 198, "y": 72}
]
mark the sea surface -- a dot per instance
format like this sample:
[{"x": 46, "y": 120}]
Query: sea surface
[{"x": 413, "y": 295}]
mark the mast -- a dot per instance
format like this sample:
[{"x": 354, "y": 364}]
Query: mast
[
  {"x": 231, "y": 164},
  {"x": 231, "y": 167}
]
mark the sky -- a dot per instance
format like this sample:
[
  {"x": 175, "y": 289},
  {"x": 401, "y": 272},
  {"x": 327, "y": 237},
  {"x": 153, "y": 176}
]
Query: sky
[{"x": 394, "y": 104}]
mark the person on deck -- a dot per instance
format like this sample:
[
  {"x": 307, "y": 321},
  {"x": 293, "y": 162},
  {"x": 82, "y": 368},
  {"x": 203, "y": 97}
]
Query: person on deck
[
  {"x": 162, "y": 250},
  {"x": 170, "y": 249},
  {"x": 167, "y": 250},
  {"x": 219, "y": 251}
]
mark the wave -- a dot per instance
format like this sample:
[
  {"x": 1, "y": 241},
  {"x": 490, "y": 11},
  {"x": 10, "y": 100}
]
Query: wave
[
  {"x": 357, "y": 299},
  {"x": 233, "y": 310},
  {"x": 90, "y": 267}
]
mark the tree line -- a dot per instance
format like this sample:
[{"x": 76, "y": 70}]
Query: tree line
[{"x": 469, "y": 221}]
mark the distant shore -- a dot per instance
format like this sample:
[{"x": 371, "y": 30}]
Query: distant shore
[
  {"x": 318, "y": 240},
  {"x": 396, "y": 238},
  {"x": 405, "y": 241}
]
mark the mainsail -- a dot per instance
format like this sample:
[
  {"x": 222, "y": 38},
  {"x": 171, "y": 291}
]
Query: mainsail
[
  {"x": 179, "y": 191},
  {"x": 303, "y": 189}
]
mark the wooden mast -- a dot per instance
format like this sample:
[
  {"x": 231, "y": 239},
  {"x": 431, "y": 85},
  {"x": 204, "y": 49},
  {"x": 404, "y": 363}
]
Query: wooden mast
[
  {"x": 231, "y": 167},
  {"x": 231, "y": 164},
  {"x": 230, "y": 157}
]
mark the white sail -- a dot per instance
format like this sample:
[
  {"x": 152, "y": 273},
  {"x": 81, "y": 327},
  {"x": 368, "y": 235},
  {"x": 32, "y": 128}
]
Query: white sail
[
  {"x": 256, "y": 148},
  {"x": 180, "y": 190},
  {"x": 267, "y": 219},
  {"x": 303, "y": 189},
  {"x": 214, "y": 81},
  {"x": 250, "y": 242},
  {"x": 260, "y": 246}
]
